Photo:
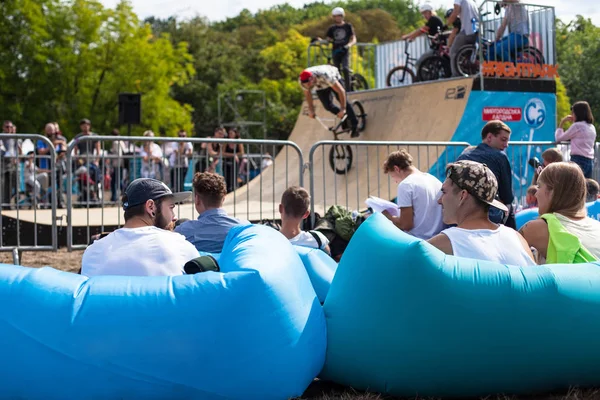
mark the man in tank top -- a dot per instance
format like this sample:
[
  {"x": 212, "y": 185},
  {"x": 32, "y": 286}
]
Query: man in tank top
[{"x": 467, "y": 194}]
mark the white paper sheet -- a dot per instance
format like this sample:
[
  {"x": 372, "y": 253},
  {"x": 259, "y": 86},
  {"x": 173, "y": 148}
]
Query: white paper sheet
[{"x": 380, "y": 205}]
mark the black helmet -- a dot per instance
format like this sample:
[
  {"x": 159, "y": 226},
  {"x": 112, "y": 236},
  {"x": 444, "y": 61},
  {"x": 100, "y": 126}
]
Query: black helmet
[{"x": 449, "y": 12}]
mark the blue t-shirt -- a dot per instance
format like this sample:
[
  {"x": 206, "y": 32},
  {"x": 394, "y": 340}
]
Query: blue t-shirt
[
  {"x": 43, "y": 163},
  {"x": 208, "y": 232}
]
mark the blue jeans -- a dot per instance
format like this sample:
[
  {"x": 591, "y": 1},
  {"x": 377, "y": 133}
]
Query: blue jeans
[
  {"x": 586, "y": 164},
  {"x": 505, "y": 49}
]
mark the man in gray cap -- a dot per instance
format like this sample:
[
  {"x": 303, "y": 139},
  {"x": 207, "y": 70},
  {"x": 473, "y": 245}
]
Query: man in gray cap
[
  {"x": 467, "y": 194},
  {"x": 143, "y": 246}
]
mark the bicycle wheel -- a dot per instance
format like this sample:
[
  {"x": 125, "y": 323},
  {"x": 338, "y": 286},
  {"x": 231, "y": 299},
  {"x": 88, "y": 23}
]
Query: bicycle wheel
[
  {"x": 359, "y": 83},
  {"x": 359, "y": 110},
  {"x": 340, "y": 158},
  {"x": 465, "y": 63},
  {"x": 400, "y": 76},
  {"x": 434, "y": 68},
  {"x": 530, "y": 55}
]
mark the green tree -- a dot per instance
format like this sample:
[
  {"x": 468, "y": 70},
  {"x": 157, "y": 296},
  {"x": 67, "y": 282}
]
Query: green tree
[
  {"x": 578, "y": 47},
  {"x": 563, "y": 104},
  {"x": 65, "y": 60}
]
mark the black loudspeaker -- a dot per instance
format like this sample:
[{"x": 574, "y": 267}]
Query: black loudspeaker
[{"x": 130, "y": 108}]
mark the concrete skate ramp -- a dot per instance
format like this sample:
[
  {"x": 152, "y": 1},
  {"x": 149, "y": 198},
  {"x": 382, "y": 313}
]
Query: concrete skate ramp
[{"x": 427, "y": 112}]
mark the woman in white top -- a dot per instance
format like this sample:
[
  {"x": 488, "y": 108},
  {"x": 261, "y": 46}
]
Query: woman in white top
[
  {"x": 582, "y": 135},
  {"x": 561, "y": 192}
]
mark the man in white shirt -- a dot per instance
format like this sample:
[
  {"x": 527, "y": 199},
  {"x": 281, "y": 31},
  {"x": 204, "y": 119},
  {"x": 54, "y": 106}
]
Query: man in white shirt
[
  {"x": 420, "y": 213},
  {"x": 469, "y": 17},
  {"x": 143, "y": 247},
  {"x": 467, "y": 194},
  {"x": 294, "y": 208}
]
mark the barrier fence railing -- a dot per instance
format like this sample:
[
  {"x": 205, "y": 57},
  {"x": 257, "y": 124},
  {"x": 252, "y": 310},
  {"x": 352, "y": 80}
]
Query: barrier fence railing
[
  {"x": 340, "y": 172},
  {"x": 521, "y": 156},
  {"x": 360, "y": 173},
  {"x": 25, "y": 190},
  {"x": 527, "y": 47},
  {"x": 87, "y": 173}
]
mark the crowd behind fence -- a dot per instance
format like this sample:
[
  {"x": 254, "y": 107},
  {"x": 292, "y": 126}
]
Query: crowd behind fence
[{"x": 89, "y": 185}]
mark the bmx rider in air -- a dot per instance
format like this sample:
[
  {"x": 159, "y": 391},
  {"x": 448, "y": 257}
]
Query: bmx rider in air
[{"x": 327, "y": 81}]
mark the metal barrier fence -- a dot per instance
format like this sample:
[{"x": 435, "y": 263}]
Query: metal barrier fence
[
  {"x": 25, "y": 189},
  {"x": 88, "y": 174},
  {"x": 362, "y": 59},
  {"x": 90, "y": 211},
  {"x": 520, "y": 155},
  {"x": 364, "y": 176}
]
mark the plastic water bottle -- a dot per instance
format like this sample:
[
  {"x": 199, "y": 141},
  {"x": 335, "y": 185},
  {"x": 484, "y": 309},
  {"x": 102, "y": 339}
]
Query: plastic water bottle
[{"x": 355, "y": 215}]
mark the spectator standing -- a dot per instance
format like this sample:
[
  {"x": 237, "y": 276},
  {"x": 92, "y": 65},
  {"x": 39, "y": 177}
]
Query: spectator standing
[
  {"x": 417, "y": 195},
  {"x": 11, "y": 150},
  {"x": 582, "y": 135},
  {"x": 491, "y": 152},
  {"x": 179, "y": 161},
  {"x": 89, "y": 148},
  {"x": 232, "y": 154},
  {"x": 152, "y": 155},
  {"x": 468, "y": 13}
]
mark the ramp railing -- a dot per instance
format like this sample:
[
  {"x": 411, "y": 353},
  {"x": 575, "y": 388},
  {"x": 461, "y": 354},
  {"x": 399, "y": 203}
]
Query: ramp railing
[
  {"x": 96, "y": 181},
  {"x": 28, "y": 193},
  {"x": 527, "y": 46},
  {"x": 348, "y": 172}
]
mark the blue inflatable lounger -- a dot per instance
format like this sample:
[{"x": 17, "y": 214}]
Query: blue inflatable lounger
[
  {"x": 405, "y": 319},
  {"x": 523, "y": 217},
  {"x": 320, "y": 268},
  {"x": 254, "y": 331}
]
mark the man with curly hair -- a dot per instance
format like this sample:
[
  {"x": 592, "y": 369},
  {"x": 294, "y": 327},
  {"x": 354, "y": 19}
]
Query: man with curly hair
[{"x": 209, "y": 231}]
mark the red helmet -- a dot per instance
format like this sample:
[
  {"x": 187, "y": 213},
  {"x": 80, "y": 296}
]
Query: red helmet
[{"x": 305, "y": 76}]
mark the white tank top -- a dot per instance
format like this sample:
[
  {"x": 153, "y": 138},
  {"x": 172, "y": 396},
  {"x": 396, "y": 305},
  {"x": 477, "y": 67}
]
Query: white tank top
[
  {"x": 587, "y": 230},
  {"x": 500, "y": 245}
]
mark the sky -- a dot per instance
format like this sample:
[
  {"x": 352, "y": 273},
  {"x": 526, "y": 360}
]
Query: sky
[{"x": 221, "y": 9}]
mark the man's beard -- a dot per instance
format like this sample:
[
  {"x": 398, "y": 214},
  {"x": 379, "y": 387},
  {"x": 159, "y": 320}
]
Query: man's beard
[{"x": 160, "y": 221}]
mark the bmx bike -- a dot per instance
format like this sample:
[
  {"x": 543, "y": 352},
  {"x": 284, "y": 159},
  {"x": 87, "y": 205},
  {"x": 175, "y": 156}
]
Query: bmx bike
[
  {"x": 403, "y": 74},
  {"x": 357, "y": 81},
  {"x": 340, "y": 155},
  {"x": 436, "y": 65},
  {"x": 467, "y": 60}
]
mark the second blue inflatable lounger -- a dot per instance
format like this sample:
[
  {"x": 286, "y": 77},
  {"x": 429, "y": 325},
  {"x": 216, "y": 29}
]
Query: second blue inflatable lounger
[{"x": 403, "y": 318}]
